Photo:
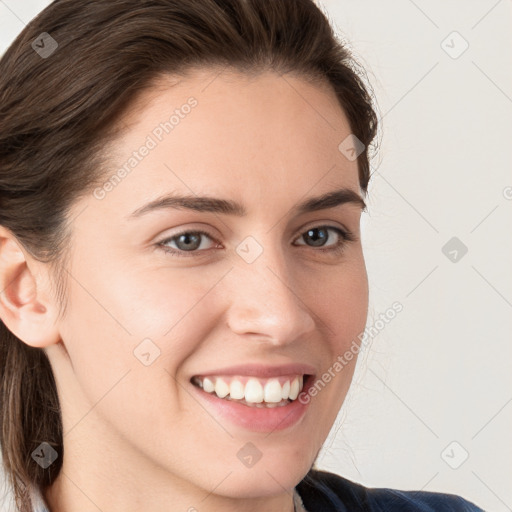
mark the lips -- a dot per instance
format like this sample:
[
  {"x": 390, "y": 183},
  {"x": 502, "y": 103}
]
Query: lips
[{"x": 256, "y": 397}]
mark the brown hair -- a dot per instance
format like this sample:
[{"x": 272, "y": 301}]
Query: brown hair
[{"x": 59, "y": 103}]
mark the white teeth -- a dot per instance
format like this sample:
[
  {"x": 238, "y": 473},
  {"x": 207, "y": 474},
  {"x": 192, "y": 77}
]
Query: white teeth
[
  {"x": 294, "y": 389},
  {"x": 272, "y": 391},
  {"x": 286, "y": 390},
  {"x": 253, "y": 391},
  {"x": 208, "y": 385},
  {"x": 236, "y": 390},
  {"x": 221, "y": 388}
]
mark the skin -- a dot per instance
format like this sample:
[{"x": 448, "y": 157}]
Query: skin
[{"x": 134, "y": 438}]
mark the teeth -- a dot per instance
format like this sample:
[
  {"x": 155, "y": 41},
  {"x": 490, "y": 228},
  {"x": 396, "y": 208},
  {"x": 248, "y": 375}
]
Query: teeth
[
  {"x": 272, "y": 391},
  {"x": 294, "y": 389},
  {"x": 286, "y": 390},
  {"x": 208, "y": 385},
  {"x": 253, "y": 391},
  {"x": 256, "y": 392},
  {"x": 221, "y": 388},
  {"x": 236, "y": 390}
]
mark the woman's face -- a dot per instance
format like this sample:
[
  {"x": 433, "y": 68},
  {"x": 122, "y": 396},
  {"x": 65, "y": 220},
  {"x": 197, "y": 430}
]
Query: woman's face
[{"x": 257, "y": 300}]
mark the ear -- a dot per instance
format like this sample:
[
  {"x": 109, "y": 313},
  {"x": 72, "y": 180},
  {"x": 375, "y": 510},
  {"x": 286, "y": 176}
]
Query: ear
[{"x": 26, "y": 306}]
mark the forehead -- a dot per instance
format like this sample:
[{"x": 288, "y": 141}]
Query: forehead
[{"x": 218, "y": 132}]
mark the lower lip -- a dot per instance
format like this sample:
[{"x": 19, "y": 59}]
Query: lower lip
[{"x": 256, "y": 419}]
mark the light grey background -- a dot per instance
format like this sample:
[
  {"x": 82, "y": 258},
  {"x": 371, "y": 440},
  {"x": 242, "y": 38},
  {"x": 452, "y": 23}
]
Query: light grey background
[{"x": 435, "y": 386}]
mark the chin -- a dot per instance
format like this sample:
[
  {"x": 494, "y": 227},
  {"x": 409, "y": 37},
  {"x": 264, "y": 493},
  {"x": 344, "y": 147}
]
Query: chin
[
  {"x": 268, "y": 477},
  {"x": 260, "y": 485}
]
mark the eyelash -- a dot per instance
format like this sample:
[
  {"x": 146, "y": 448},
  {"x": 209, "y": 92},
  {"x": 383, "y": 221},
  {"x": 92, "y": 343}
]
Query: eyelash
[{"x": 345, "y": 237}]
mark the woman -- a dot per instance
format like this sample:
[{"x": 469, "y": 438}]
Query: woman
[{"x": 181, "y": 188}]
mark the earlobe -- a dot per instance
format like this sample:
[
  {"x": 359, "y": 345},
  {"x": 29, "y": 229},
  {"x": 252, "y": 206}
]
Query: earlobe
[{"x": 26, "y": 307}]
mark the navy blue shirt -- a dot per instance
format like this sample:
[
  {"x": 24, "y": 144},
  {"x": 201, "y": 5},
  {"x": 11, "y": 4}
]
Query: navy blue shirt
[{"x": 326, "y": 492}]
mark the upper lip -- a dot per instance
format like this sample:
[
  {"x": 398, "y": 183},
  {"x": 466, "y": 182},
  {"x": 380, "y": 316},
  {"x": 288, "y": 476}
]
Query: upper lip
[{"x": 262, "y": 370}]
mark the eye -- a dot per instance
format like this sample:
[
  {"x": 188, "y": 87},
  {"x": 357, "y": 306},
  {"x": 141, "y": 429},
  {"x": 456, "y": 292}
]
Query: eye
[
  {"x": 192, "y": 241},
  {"x": 319, "y": 235},
  {"x": 187, "y": 241}
]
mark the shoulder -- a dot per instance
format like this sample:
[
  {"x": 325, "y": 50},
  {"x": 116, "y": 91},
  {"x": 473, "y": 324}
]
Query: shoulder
[{"x": 323, "y": 491}]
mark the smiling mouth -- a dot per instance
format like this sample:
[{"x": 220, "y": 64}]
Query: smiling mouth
[{"x": 253, "y": 391}]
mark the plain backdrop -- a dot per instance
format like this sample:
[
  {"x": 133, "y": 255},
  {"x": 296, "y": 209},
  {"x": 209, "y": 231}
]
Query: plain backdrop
[{"x": 431, "y": 403}]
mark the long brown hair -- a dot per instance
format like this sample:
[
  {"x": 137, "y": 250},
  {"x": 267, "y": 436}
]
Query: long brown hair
[{"x": 65, "y": 80}]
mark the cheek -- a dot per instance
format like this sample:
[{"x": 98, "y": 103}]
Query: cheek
[
  {"x": 113, "y": 327},
  {"x": 343, "y": 307},
  {"x": 114, "y": 313},
  {"x": 343, "y": 304}
]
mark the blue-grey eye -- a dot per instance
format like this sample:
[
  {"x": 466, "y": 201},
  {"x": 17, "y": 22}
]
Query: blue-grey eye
[
  {"x": 317, "y": 236},
  {"x": 188, "y": 241}
]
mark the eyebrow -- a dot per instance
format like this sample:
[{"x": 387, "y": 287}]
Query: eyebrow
[{"x": 230, "y": 207}]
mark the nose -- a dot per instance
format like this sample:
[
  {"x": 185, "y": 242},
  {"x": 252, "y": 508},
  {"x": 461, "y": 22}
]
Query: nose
[{"x": 265, "y": 303}]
